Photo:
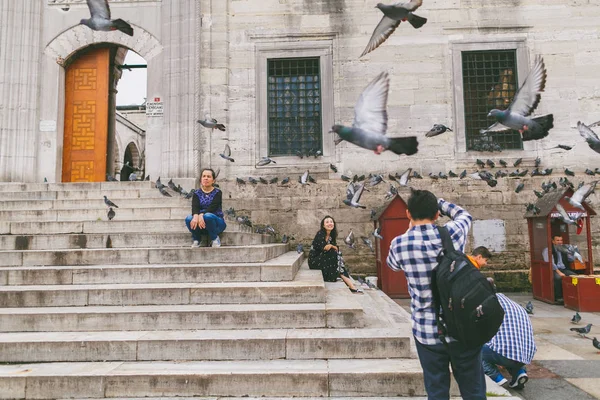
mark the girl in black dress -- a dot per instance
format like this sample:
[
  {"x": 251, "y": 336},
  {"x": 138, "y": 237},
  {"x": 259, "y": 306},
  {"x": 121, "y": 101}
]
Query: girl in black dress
[{"x": 324, "y": 254}]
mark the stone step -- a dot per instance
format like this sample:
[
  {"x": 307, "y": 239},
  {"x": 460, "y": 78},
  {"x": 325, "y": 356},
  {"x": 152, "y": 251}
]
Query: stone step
[
  {"x": 105, "y": 226},
  {"x": 502, "y": 396},
  {"x": 113, "y": 194},
  {"x": 280, "y": 268},
  {"x": 181, "y": 317},
  {"x": 272, "y": 378},
  {"x": 306, "y": 288},
  {"x": 122, "y": 240},
  {"x": 80, "y": 215},
  {"x": 123, "y": 203},
  {"x": 207, "y": 345},
  {"x": 75, "y": 186},
  {"x": 256, "y": 253}
]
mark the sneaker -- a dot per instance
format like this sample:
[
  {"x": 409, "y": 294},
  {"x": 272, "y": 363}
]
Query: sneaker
[
  {"x": 195, "y": 244},
  {"x": 216, "y": 242},
  {"x": 519, "y": 381},
  {"x": 500, "y": 380}
]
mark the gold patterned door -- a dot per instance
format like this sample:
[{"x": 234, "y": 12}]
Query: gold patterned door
[{"x": 86, "y": 118}]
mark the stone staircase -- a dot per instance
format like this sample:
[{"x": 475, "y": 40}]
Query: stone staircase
[{"x": 91, "y": 308}]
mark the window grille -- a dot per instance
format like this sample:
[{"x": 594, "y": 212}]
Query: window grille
[
  {"x": 489, "y": 81},
  {"x": 294, "y": 106}
]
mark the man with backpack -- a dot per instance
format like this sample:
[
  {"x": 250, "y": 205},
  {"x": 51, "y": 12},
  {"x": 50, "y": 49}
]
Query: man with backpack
[{"x": 416, "y": 253}]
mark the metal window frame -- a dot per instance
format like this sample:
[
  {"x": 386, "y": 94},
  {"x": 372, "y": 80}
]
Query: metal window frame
[
  {"x": 276, "y": 47},
  {"x": 294, "y": 64},
  {"x": 457, "y": 47},
  {"x": 479, "y": 72}
]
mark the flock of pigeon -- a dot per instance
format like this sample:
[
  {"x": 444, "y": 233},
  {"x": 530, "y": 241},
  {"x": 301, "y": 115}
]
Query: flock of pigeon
[{"x": 575, "y": 320}]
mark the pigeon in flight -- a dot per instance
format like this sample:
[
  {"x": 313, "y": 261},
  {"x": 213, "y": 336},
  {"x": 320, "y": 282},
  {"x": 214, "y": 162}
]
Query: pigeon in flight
[
  {"x": 403, "y": 179},
  {"x": 100, "y": 19},
  {"x": 371, "y": 121},
  {"x": 109, "y": 203},
  {"x": 303, "y": 179},
  {"x": 393, "y": 14},
  {"x": 349, "y": 240},
  {"x": 576, "y": 318},
  {"x": 437, "y": 129},
  {"x": 582, "y": 194},
  {"x": 377, "y": 233},
  {"x": 565, "y": 216},
  {"x": 111, "y": 213},
  {"x": 527, "y": 98},
  {"x": 354, "y": 201},
  {"x": 226, "y": 154},
  {"x": 265, "y": 161},
  {"x": 582, "y": 331},
  {"x": 589, "y": 135},
  {"x": 211, "y": 123},
  {"x": 368, "y": 242}
]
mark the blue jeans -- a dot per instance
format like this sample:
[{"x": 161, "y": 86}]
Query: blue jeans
[
  {"x": 214, "y": 226},
  {"x": 466, "y": 367},
  {"x": 491, "y": 359}
]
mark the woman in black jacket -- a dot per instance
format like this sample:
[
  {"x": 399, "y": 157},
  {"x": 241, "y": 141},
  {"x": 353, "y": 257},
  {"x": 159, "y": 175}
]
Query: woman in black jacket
[{"x": 324, "y": 254}]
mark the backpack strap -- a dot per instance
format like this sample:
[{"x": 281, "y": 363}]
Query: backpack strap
[
  {"x": 446, "y": 239},
  {"x": 448, "y": 247}
]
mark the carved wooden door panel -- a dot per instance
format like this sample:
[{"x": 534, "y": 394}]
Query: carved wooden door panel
[{"x": 86, "y": 118}]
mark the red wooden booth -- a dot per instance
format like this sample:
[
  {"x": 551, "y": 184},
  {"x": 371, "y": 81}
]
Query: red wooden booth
[
  {"x": 391, "y": 217},
  {"x": 543, "y": 222}
]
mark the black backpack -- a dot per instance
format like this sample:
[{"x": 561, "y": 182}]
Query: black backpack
[{"x": 471, "y": 312}]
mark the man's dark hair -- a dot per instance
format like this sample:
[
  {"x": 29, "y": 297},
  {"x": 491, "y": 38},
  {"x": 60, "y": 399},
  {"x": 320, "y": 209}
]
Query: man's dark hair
[
  {"x": 422, "y": 204},
  {"x": 556, "y": 235},
  {"x": 482, "y": 251},
  {"x": 334, "y": 232},
  {"x": 212, "y": 171}
]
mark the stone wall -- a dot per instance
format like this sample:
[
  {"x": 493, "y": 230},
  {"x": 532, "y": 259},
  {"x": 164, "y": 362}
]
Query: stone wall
[{"x": 296, "y": 210}]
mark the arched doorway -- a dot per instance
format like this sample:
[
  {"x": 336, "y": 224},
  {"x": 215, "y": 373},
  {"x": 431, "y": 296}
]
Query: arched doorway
[{"x": 62, "y": 52}]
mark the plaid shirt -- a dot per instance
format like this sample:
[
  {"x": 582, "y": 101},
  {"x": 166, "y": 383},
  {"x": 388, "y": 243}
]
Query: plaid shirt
[
  {"x": 415, "y": 252},
  {"x": 514, "y": 339}
]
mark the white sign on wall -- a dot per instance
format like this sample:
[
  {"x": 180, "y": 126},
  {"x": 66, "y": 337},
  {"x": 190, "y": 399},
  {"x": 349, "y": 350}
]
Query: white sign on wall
[
  {"x": 47, "y": 126},
  {"x": 489, "y": 233},
  {"x": 155, "y": 108}
]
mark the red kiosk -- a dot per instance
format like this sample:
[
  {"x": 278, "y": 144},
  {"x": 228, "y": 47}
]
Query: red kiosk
[
  {"x": 580, "y": 292},
  {"x": 391, "y": 217}
]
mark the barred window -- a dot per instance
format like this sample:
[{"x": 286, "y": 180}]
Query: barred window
[
  {"x": 489, "y": 81},
  {"x": 294, "y": 106}
]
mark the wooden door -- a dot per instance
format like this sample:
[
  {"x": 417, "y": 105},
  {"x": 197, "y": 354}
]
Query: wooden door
[{"x": 86, "y": 118}]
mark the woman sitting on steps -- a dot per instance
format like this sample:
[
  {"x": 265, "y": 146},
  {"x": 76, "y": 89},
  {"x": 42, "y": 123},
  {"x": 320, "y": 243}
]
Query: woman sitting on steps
[{"x": 324, "y": 255}]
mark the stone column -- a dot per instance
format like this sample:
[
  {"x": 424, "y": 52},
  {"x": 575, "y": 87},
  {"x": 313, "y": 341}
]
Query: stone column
[
  {"x": 20, "y": 32},
  {"x": 179, "y": 148}
]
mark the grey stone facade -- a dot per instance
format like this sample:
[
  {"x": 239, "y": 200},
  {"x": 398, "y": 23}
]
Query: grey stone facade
[{"x": 208, "y": 56}]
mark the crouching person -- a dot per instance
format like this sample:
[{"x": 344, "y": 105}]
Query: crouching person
[{"x": 513, "y": 346}]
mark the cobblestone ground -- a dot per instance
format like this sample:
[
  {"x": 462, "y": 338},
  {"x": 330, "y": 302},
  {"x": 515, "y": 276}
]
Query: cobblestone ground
[{"x": 566, "y": 366}]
